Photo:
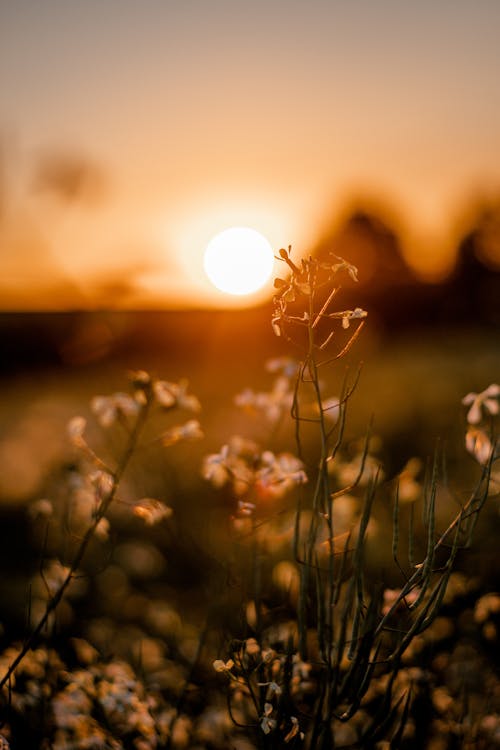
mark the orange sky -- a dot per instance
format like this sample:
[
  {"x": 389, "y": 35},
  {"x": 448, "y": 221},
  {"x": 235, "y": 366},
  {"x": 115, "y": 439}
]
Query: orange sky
[{"x": 131, "y": 132}]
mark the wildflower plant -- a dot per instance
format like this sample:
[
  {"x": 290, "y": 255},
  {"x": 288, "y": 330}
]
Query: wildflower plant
[
  {"x": 346, "y": 630},
  {"x": 95, "y": 487}
]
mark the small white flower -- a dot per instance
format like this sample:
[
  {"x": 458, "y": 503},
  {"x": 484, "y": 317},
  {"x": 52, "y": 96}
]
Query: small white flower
[
  {"x": 343, "y": 265},
  {"x": 110, "y": 408},
  {"x": 191, "y": 430},
  {"x": 214, "y": 467},
  {"x": 267, "y": 724},
  {"x": 272, "y": 689},
  {"x": 356, "y": 314},
  {"x": 279, "y": 474},
  {"x": 272, "y": 404},
  {"x": 175, "y": 394},
  {"x": 486, "y": 400},
  {"x": 478, "y": 444}
]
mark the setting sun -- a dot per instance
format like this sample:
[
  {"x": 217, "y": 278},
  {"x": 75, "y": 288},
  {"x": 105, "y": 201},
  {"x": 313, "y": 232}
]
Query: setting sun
[{"x": 239, "y": 260}]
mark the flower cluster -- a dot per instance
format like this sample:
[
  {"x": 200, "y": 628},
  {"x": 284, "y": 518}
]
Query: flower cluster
[
  {"x": 273, "y": 405},
  {"x": 252, "y": 474},
  {"x": 302, "y": 285},
  {"x": 255, "y": 671}
]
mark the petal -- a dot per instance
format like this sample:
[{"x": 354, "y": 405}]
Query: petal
[{"x": 474, "y": 413}]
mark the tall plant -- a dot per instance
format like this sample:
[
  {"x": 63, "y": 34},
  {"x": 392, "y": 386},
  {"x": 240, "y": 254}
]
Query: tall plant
[{"x": 348, "y": 632}]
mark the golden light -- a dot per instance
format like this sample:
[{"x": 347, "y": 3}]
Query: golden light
[{"x": 239, "y": 260}]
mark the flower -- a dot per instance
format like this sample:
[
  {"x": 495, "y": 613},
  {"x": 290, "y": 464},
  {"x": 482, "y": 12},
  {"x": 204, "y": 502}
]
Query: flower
[
  {"x": 214, "y": 467},
  {"x": 356, "y": 314},
  {"x": 169, "y": 395},
  {"x": 478, "y": 444},
  {"x": 278, "y": 474},
  {"x": 108, "y": 409},
  {"x": 486, "y": 400},
  {"x": 231, "y": 465},
  {"x": 191, "y": 430},
  {"x": 152, "y": 511},
  {"x": 343, "y": 265},
  {"x": 267, "y": 724},
  {"x": 223, "y": 666},
  {"x": 272, "y": 404},
  {"x": 272, "y": 689}
]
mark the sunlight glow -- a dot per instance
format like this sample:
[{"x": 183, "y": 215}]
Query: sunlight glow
[{"x": 239, "y": 260}]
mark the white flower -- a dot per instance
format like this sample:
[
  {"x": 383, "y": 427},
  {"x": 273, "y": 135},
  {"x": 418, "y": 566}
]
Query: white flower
[
  {"x": 175, "y": 394},
  {"x": 191, "y": 430},
  {"x": 267, "y": 724},
  {"x": 110, "y": 408},
  {"x": 343, "y": 265},
  {"x": 231, "y": 465},
  {"x": 271, "y": 404},
  {"x": 486, "y": 400},
  {"x": 272, "y": 689},
  {"x": 152, "y": 511},
  {"x": 214, "y": 467},
  {"x": 278, "y": 474},
  {"x": 478, "y": 444},
  {"x": 356, "y": 314}
]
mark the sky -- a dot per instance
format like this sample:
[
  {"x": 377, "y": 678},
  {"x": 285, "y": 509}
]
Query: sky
[{"x": 133, "y": 131}]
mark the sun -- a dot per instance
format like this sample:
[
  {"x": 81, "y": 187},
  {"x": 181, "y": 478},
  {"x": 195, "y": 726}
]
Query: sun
[{"x": 239, "y": 260}]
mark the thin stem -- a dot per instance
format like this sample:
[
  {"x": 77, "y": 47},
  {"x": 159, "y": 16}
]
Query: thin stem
[{"x": 56, "y": 598}]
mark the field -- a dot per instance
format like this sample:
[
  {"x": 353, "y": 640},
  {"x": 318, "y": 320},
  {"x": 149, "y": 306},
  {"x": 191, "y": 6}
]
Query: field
[{"x": 179, "y": 575}]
